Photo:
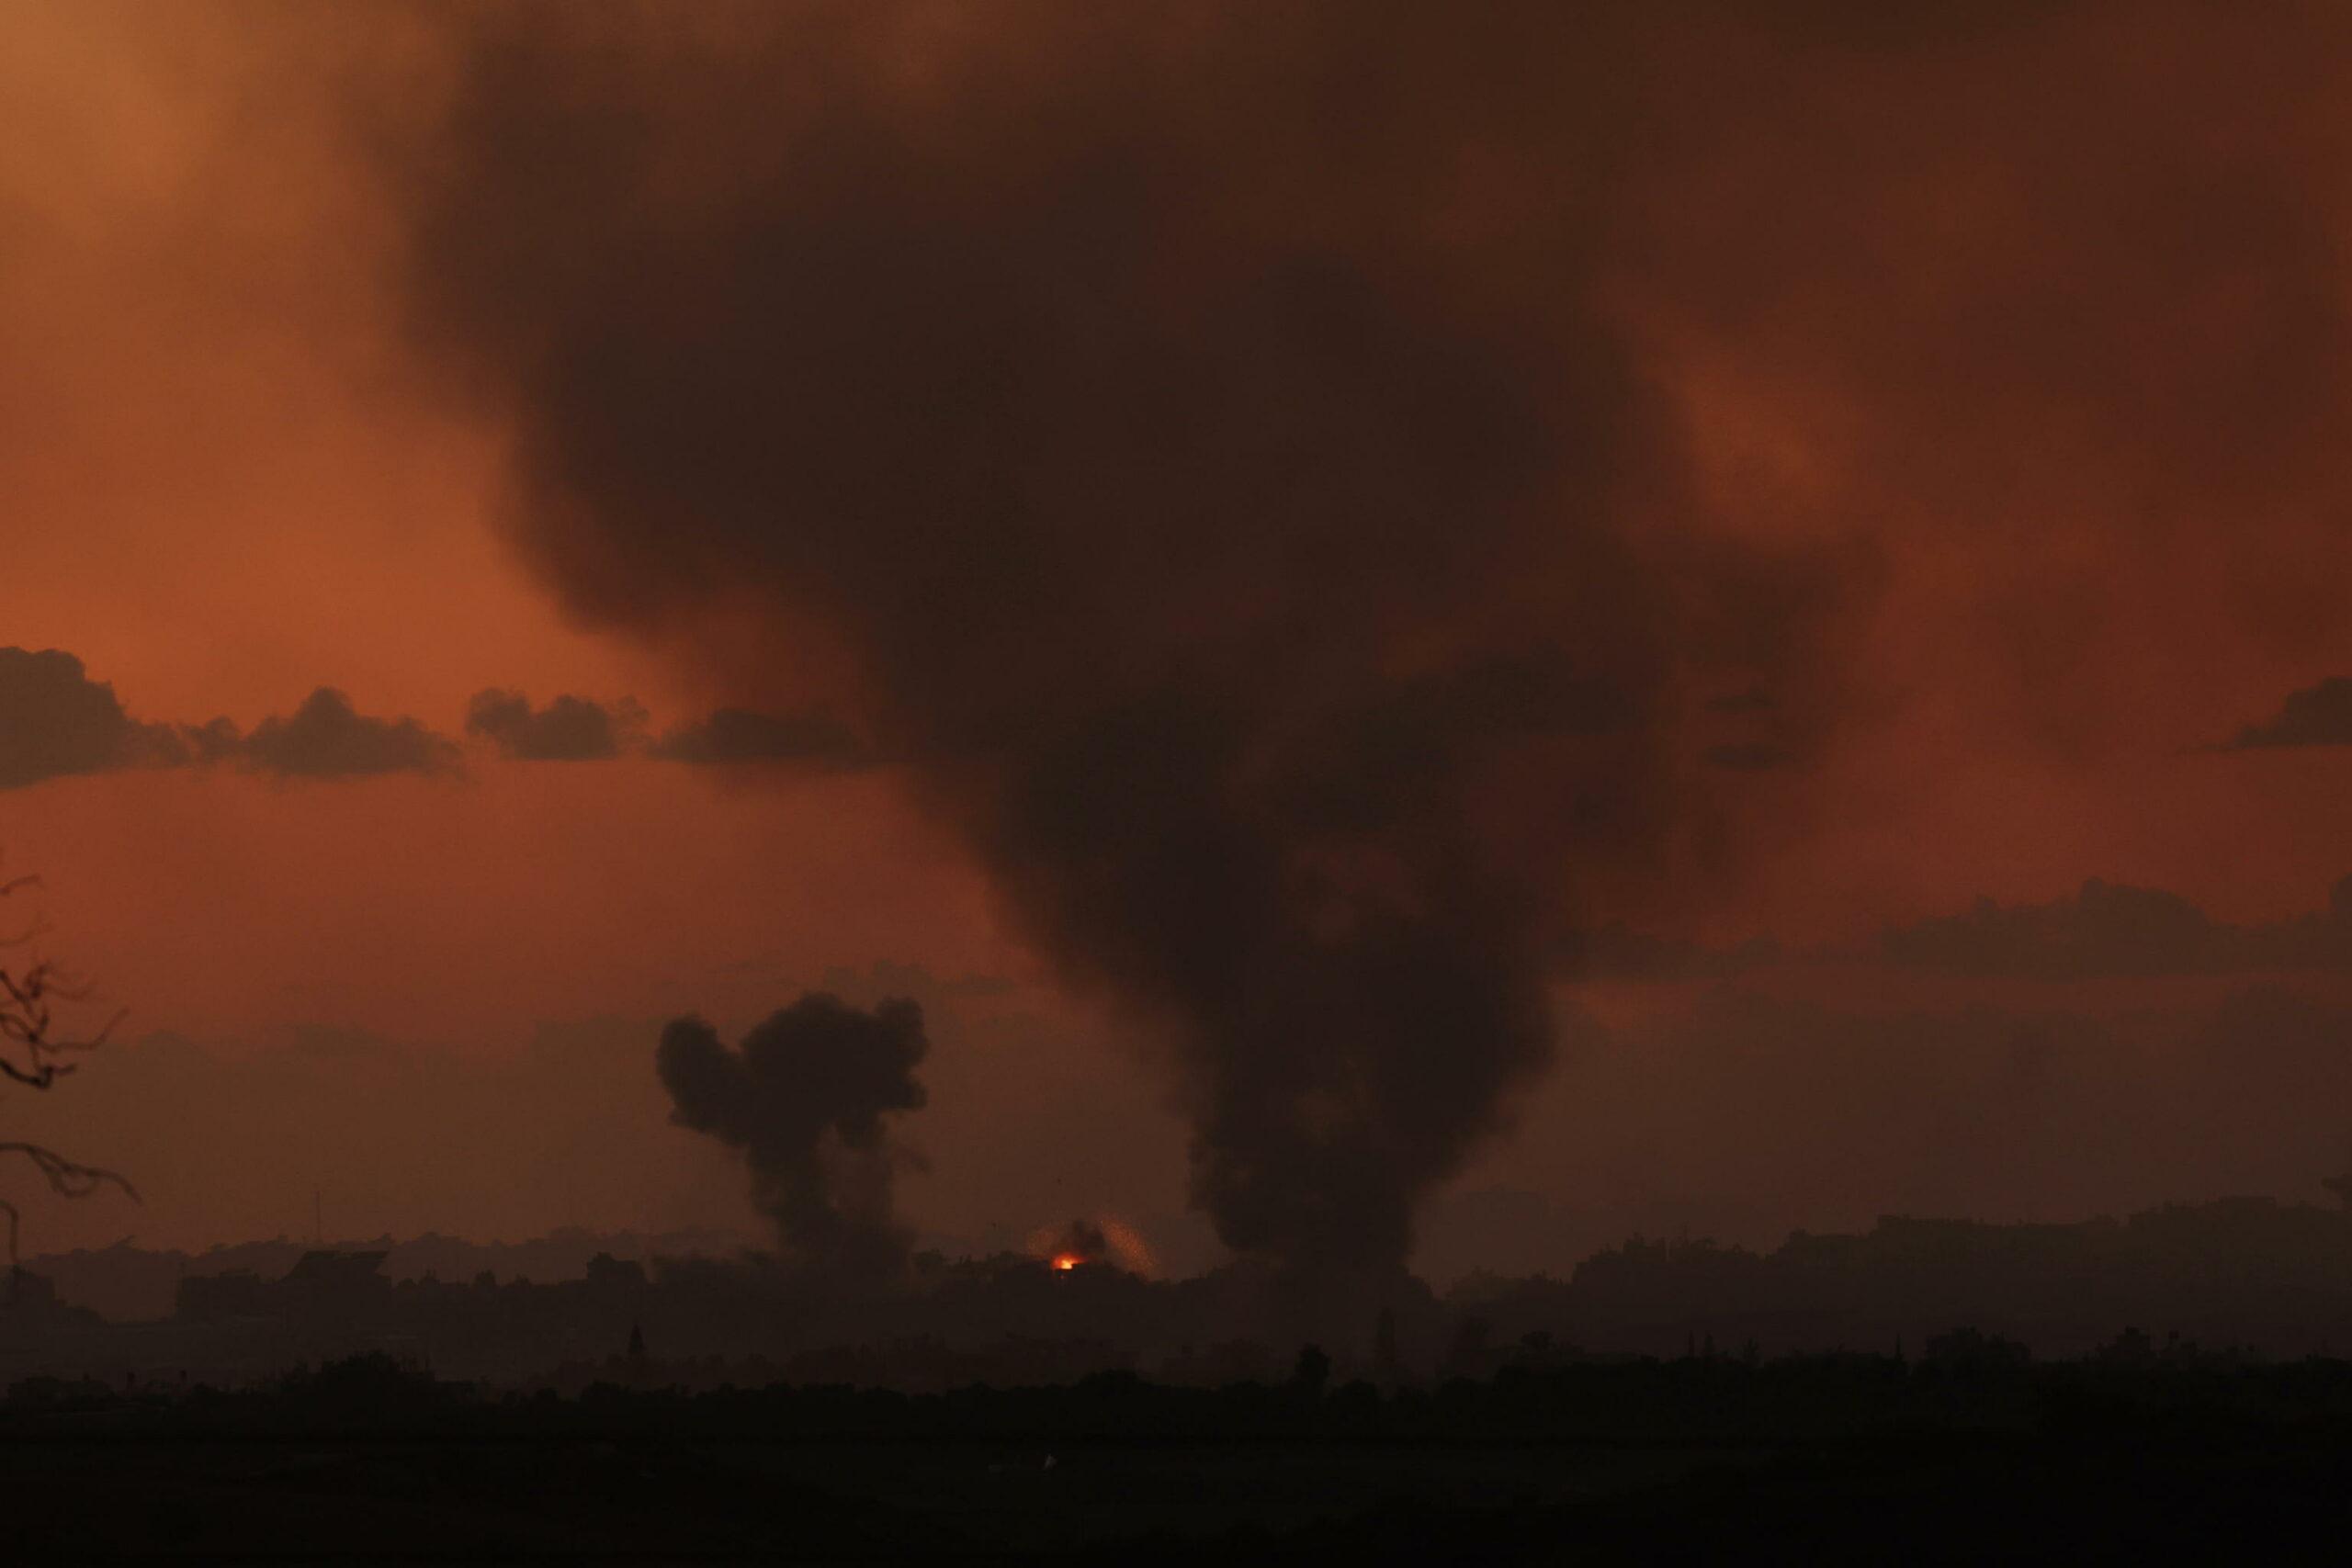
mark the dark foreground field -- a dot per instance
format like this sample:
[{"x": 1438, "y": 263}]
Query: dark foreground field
[
  {"x": 1845, "y": 1458},
  {"x": 1954, "y": 1501}
]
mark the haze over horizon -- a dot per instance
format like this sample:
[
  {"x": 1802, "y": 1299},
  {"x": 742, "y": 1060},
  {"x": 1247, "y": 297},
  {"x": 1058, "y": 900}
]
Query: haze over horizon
[{"x": 1730, "y": 625}]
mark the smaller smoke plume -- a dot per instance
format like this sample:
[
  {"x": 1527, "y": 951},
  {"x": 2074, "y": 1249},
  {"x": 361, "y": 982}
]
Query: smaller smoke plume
[{"x": 804, "y": 1096}]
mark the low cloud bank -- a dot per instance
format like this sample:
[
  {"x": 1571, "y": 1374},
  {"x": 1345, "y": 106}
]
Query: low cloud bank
[
  {"x": 58, "y": 722},
  {"x": 2101, "y": 931},
  {"x": 569, "y": 729}
]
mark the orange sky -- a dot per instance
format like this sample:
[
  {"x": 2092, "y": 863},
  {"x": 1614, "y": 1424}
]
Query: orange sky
[
  {"x": 224, "y": 493},
  {"x": 220, "y": 494},
  {"x": 224, "y": 484}
]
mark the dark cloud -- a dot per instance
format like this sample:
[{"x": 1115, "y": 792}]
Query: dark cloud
[
  {"x": 2104, "y": 929},
  {"x": 2110, "y": 928},
  {"x": 740, "y": 734},
  {"x": 55, "y": 721},
  {"x": 326, "y": 738},
  {"x": 2316, "y": 716},
  {"x": 569, "y": 729},
  {"x": 216, "y": 741},
  {"x": 804, "y": 1096},
  {"x": 573, "y": 729}
]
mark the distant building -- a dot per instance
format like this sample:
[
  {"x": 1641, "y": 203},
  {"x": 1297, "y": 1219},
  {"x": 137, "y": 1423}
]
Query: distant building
[
  {"x": 2340, "y": 1185},
  {"x": 217, "y": 1298},
  {"x": 606, "y": 1272},
  {"x": 29, "y": 1302},
  {"x": 28, "y": 1293},
  {"x": 325, "y": 1268},
  {"x": 321, "y": 1277}
]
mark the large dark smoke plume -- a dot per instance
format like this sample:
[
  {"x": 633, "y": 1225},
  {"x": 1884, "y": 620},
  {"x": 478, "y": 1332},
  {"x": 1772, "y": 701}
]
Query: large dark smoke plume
[
  {"x": 804, "y": 1096},
  {"x": 1297, "y": 482},
  {"x": 1190, "y": 425}
]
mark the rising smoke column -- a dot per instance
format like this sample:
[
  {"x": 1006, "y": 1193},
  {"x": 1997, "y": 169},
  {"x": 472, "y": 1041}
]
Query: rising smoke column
[
  {"x": 804, "y": 1096},
  {"x": 1193, "y": 427}
]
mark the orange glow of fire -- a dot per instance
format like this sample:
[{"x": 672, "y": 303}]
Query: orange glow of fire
[{"x": 1066, "y": 1261}]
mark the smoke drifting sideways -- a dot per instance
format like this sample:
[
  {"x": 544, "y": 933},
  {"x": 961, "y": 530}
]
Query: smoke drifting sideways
[
  {"x": 805, "y": 1096},
  {"x": 1190, "y": 429}
]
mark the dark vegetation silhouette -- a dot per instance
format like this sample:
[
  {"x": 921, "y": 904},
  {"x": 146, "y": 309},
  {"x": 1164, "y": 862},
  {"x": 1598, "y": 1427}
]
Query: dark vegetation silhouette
[
  {"x": 1967, "y": 1449},
  {"x": 2272, "y": 1280},
  {"x": 36, "y": 1051},
  {"x": 1835, "y": 1398}
]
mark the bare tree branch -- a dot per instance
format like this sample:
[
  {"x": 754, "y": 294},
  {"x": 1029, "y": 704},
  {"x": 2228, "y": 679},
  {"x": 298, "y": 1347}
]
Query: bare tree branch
[
  {"x": 29, "y": 1025},
  {"x": 28, "y": 1021},
  {"x": 36, "y": 929},
  {"x": 67, "y": 1178}
]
